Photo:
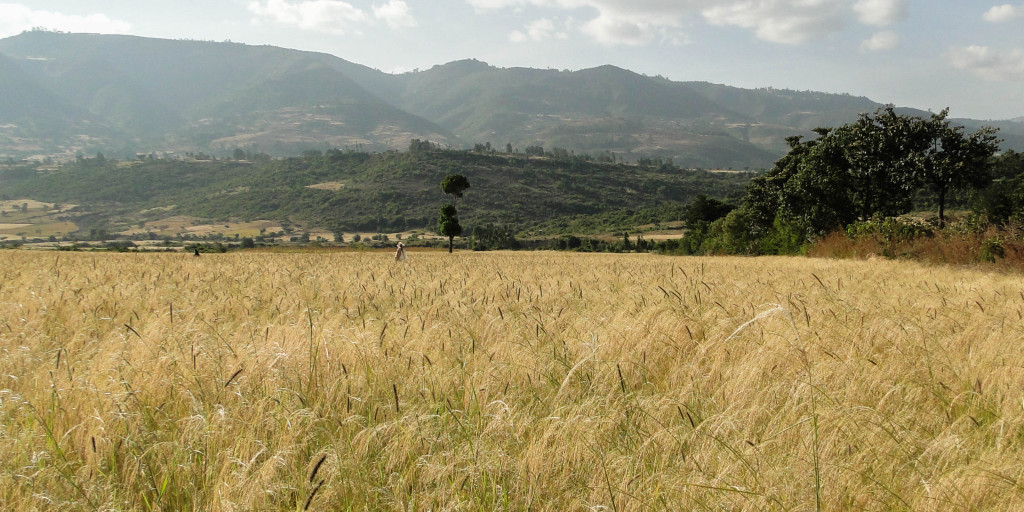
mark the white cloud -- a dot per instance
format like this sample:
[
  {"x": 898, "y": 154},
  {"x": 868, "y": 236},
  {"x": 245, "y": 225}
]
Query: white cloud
[
  {"x": 1005, "y": 12},
  {"x": 629, "y": 22},
  {"x": 636, "y": 22},
  {"x": 331, "y": 16},
  {"x": 611, "y": 30},
  {"x": 494, "y": 4},
  {"x": 16, "y": 18},
  {"x": 880, "y": 12},
  {"x": 538, "y": 30},
  {"x": 880, "y": 41},
  {"x": 395, "y": 13},
  {"x": 780, "y": 21},
  {"x": 988, "y": 63}
]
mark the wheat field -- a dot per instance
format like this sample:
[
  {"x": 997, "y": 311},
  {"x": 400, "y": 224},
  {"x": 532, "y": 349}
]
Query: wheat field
[{"x": 506, "y": 381}]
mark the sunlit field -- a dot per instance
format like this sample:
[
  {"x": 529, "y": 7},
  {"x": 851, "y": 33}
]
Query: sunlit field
[{"x": 506, "y": 381}]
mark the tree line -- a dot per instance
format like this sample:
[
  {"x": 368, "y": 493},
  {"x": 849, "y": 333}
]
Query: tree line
[{"x": 872, "y": 168}]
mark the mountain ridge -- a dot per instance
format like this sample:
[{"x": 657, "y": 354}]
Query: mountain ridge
[{"x": 129, "y": 94}]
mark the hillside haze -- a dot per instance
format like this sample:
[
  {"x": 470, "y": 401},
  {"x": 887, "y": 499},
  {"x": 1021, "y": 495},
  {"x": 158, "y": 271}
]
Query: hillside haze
[{"x": 86, "y": 93}]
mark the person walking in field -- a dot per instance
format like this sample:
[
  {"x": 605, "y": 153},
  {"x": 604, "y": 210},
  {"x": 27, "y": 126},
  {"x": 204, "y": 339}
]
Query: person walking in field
[{"x": 400, "y": 253}]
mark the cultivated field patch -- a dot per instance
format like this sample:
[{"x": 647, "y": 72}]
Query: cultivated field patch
[{"x": 506, "y": 381}]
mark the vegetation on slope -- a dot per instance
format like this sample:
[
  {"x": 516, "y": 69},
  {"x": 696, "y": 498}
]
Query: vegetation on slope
[
  {"x": 121, "y": 94},
  {"x": 371, "y": 191}
]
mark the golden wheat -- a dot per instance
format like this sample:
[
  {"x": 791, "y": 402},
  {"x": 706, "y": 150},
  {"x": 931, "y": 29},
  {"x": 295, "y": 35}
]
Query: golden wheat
[{"x": 508, "y": 381}]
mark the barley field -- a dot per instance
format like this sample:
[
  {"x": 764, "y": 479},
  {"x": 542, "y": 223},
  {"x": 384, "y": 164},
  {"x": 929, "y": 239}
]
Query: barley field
[{"x": 506, "y": 381}]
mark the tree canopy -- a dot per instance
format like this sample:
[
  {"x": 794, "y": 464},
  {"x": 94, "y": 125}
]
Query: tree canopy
[
  {"x": 454, "y": 184},
  {"x": 872, "y": 167},
  {"x": 448, "y": 218}
]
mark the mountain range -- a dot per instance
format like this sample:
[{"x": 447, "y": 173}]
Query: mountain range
[{"x": 67, "y": 94}]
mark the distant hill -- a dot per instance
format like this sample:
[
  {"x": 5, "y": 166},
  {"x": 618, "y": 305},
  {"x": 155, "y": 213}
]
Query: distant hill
[
  {"x": 84, "y": 93},
  {"x": 380, "y": 192},
  {"x": 203, "y": 96}
]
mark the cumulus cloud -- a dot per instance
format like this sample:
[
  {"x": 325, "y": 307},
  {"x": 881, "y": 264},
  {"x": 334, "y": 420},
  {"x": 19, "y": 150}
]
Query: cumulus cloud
[
  {"x": 635, "y": 22},
  {"x": 880, "y": 12},
  {"x": 16, "y": 18},
  {"x": 881, "y": 41},
  {"x": 538, "y": 30},
  {"x": 629, "y": 22},
  {"x": 610, "y": 30},
  {"x": 395, "y": 13},
  {"x": 330, "y": 16},
  {"x": 778, "y": 21},
  {"x": 1005, "y": 12},
  {"x": 989, "y": 63}
]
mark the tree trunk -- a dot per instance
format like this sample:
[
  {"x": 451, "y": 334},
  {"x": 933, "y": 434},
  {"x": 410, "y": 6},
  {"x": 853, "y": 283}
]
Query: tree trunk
[
  {"x": 942, "y": 208},
  {"x": 450, "y": 239}
]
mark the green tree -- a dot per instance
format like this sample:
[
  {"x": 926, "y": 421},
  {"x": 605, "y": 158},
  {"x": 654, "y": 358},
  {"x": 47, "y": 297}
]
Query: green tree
[
  {"x": 1008, "y": 165},
  {"x": 704, "y": 208},
  {"x": 489, "y": 236},
  {"x": 448, "y": 224},
  {"x": 454, "y": 185},
  {"x": 808, "y": 187},
  {"x": 448, "y": 220},
  {"x": 417, "y": 145},
  {"x": 868, "y": 168},
  {"x": 881, "y": 155},
  {"x": 955, "y": 160}
]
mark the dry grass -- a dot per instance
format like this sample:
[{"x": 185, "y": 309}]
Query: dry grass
[
  {"x": 1002, "y": 247},
  {"x": 508, "y": 381}
]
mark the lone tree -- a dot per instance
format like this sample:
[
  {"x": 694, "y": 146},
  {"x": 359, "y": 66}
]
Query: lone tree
[
  {"x": 454, "y": 185},
  {"x": 448, "y": 224},
  {"x": 448, "y": 220}
]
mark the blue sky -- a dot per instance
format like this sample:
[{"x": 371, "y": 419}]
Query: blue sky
[{"x": 930, "y": 54}]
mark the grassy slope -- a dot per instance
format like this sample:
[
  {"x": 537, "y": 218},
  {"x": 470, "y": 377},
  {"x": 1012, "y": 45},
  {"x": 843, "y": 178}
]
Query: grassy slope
[
  {"x": 506, "y": 381},
  {"x": 379, "y": 191}
]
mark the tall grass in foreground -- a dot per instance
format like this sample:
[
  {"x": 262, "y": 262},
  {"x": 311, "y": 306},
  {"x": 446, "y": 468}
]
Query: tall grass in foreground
[{"x": 499, "y": 381}]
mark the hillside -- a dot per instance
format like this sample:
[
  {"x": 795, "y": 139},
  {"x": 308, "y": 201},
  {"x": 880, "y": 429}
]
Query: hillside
[
  {"x": 68, "y": 94},
  {"x": 204, "y": 96},
  {"x": 349, "y": 190}
]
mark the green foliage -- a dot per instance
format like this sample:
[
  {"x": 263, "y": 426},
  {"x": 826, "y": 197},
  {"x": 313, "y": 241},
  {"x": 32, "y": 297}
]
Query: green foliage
[
  {"x": 889, "y": 229},
  {"x": 991, "y": 249},
  {"x": 1008, "y": 166},
  {"x": 1003, "y": 200},
  {"x": 890, "y": 233},
  {"x": 707, "y": 209},
  {"x": 379, "y": 192},
  {"x": 493, "y": 237},
  {"x": 448, "y": 220},
  {"x": 448, "y": 223},
  {"x": 454, "y": 185},
  {"x": 955, "y": 161},
  {"x": 784, "y": 238},
  {"x": 870, "y": 168}
]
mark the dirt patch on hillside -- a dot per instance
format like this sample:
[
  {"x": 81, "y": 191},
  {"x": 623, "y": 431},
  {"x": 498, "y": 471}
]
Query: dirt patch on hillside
[{"x": 328, "y": 185}]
